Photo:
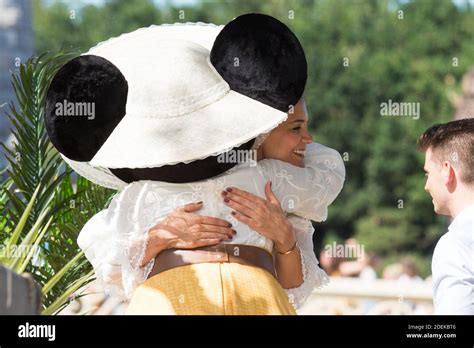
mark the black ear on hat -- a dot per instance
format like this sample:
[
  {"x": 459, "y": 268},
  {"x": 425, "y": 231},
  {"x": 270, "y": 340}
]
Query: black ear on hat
[
  {"x": 85, "y": 102},
  {"x": 260, "y": 57}
]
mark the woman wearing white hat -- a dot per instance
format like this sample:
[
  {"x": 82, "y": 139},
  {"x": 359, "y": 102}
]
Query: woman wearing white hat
[{"x": 204, "y": 118}]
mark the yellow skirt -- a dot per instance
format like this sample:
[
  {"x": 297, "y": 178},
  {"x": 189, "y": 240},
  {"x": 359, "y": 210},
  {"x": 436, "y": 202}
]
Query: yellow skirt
[{"x": 211, "y": 289}]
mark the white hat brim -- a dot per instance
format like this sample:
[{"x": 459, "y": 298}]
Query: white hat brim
[
  {"x": 100, "y": 176},
  {"x": 139, "y": 142}
]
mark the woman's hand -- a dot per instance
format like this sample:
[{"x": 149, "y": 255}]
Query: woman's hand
[
  {"x": 183, "y": 229},
  {"x": 267, "y": 218},
  {"x": 264, "y": 216}
]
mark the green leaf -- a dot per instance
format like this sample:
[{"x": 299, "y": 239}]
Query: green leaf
[
  {"x": 55, "y": 279},
  {"x": 19, "y": 228},
  {"x": 34, "y": 247},
  {"x": 60, "y": 301}
]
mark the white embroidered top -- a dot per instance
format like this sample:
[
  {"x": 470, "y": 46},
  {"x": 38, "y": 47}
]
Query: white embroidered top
[{"x": 115, "y": 239}]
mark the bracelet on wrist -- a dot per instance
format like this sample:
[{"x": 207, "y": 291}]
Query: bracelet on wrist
[{"x": 292, "y": 249}]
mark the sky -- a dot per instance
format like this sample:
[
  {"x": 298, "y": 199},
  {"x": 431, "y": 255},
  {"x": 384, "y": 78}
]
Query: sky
[
  {"x": 80, "y": 3},
  {"x": 188, "y": 3}
]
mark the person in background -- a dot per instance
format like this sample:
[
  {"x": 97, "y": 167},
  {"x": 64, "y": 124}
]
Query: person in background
[{"x": 449, "y": 167}]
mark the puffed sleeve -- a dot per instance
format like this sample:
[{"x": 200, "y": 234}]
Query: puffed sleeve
[
  {"x": 313, "y": 276},
  {"x": 307, "y": 192},
  {"x": 115, "y": 240}
]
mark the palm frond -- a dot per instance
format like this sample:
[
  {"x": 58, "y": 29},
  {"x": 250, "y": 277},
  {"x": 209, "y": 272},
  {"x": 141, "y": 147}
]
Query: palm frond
[{"x": 49, "y": 219}]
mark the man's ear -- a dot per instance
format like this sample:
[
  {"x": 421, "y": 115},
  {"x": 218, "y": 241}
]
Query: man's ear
[{"x": 449, "y": 175}]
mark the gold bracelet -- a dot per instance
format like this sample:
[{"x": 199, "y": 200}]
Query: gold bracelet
[{"x": 293, "y": 248}]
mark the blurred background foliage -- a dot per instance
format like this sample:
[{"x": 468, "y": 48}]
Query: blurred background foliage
[
  {"x": 406, "y": 51},
  {"x": 43, "y": 205}
]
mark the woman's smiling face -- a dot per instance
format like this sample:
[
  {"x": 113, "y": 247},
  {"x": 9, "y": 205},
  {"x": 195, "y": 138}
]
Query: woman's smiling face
[{"x": 288, "y": 141}]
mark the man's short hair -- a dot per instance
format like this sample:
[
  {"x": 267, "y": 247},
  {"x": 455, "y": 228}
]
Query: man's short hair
[{"x": 453, "y": 142}]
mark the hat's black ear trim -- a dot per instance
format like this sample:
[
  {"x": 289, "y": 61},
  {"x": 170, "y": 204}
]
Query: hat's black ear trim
[
  {"x": 260, "y": 57},
  {"x": 85, "y": 102},
  {"x": 181, "y": 172}
]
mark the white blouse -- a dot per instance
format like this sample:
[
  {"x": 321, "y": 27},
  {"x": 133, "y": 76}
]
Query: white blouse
[{"x": 115, "y": 239}]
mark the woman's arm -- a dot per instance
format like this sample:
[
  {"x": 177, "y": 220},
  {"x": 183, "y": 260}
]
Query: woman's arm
[
  {"x": 95, "y": 241},
  {"x": 298, "y": 271},
  {"x": 314, "y": 277},
  {"x": 121, "y": 249},
  {"x": 288, "y": 259},
  {"x": 267, "y": 218},
  {"x": 307, "y": 192}
]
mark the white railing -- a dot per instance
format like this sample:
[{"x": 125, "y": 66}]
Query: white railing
[
  {"x": 341, "y": 297},
  {"x": 356, "y": 296}
]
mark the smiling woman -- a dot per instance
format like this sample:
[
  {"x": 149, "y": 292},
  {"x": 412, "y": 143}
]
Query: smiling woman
[
  {"x": 137, "y": 232},
  {"x": 288, "y": 141}
]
